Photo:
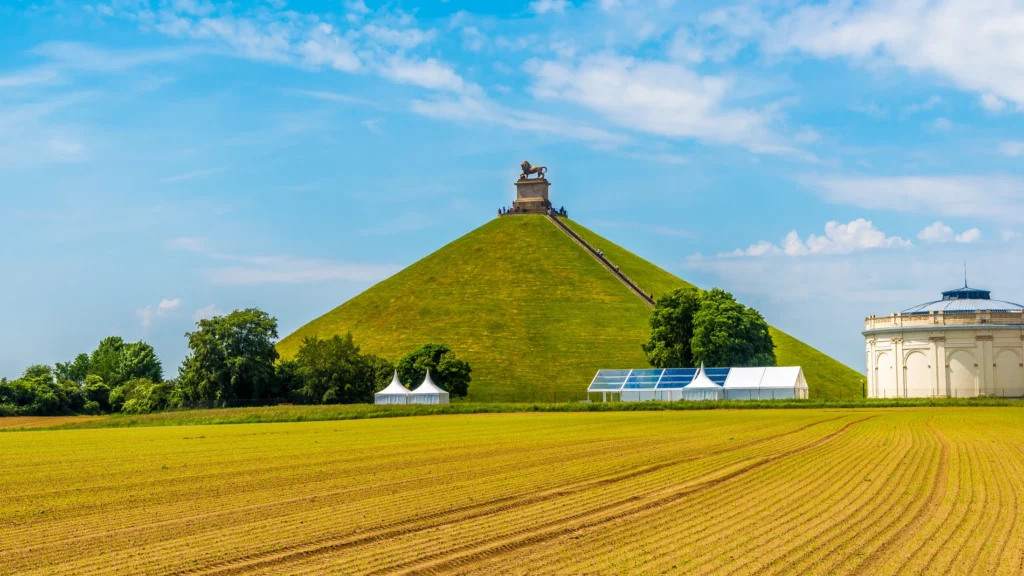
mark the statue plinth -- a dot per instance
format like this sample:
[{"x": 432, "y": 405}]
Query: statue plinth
[{"x": 532, "y": 195}]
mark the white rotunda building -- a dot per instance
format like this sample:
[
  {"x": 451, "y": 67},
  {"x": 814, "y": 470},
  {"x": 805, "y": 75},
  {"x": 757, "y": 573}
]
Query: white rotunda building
[{"x": 964, "y": 345}]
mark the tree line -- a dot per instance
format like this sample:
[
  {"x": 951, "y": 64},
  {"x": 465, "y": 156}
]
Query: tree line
[{"x": 232, "y": 360}]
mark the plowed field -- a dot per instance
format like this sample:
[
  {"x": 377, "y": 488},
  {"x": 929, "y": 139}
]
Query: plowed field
[{"x": 729, "y": 492}]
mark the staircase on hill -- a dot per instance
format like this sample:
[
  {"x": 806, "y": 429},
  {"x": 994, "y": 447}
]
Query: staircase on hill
[{"x": 649, "y": 299}]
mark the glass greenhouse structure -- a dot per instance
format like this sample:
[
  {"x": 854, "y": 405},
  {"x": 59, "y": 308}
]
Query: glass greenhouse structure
[{"x": 670, "y": 384}]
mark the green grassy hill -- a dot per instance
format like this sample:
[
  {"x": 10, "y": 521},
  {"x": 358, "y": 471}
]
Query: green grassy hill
[
  {"x": 534, "y": 314},
  {"x": 826, "y": 376}
]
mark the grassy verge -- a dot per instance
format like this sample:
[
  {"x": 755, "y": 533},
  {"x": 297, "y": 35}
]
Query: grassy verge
[{"x": 362, "y": 411}]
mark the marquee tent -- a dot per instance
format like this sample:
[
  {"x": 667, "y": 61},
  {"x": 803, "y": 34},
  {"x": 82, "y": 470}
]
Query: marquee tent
[
  {"x": 394, "y": 393},
  {"x": 760, "y": 383},
  {"x": 703, "y": 387},
  {"x": 428, "y": 393}
]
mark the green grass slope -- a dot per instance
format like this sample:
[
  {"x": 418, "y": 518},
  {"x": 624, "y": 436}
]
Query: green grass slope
[
  {"x": 533, "y": 313},
  {"x": 826, "y": 377}
]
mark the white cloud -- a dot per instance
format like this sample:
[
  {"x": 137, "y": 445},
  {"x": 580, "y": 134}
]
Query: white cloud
[
  {"x": 148, "y": 313},
  {"x": 999, "y": 197},
  {"x": 859, "y": 234},
  {"x": 406, "y": 38},
  {"x": 936, "y": 232},
  {"x": 928, "y": 104},
  {"x": 481, "y": 109},
  {"x": 205, "y": 313},
  {"x": 969, "y": 236},
  {"x": 473, "y": 40},
  {"x": 662, "y": 98},
  {"x": 992, "y": 103},
  {"x": 976, "y": 44},
  {"x": 167, "y": 305},
  {"x": 324, "y": 46},
  {"x": 943, "y": 124},
  {"x": 939, "y": 232},
  {"x": 1008, "y": 235},
  {"x": 1013, "y": 149},
  {"x": 429, "y": 73},
  {"x": 545, "y": 6}
]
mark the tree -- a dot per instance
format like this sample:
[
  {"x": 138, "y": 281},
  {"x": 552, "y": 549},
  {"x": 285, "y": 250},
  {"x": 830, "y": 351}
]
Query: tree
[
  {"x": 690, "y": 327},
  {"x": 76, "y": 370},
  {"x": 332, "y": 370},
  {"x": 446, "y": 370},
  {"x": 97, "y": 392},
  {"x": 230, "y": 357},
  {"x": 379, "y": 373},
  {"x": 672, "y": 329},
  {"x": 104, "y": 360},
  {"x": 286, "y": 379},
  {"x": 141, "y": 396},
  {"x": 138, "y": 360},
  {"x": 727, "y": 333}
]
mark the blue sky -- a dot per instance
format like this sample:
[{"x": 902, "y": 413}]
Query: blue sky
[{"x": 165, "y": 161}]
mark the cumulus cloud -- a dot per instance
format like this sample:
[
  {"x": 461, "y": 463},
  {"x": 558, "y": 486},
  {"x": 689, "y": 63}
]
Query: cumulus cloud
[
  {"x": 1008, "y": 235},
  {"x": 148, "y": 313},
  {"x": 859, "y": 234},
  {"x": 936, "y": 232},
  {"x": 969, "y": 236}
]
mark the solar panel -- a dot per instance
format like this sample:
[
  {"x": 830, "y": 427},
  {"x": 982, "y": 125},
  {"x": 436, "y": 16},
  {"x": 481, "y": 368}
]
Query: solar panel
[
  {"x": 643, "y": 379},
  {"x": 676, "y": 377},
  {"x": 607, "y": 380},
  {"x": 717, "y": 375}
]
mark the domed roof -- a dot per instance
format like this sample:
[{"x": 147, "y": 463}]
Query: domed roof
[{"x": 964, "y": 299}]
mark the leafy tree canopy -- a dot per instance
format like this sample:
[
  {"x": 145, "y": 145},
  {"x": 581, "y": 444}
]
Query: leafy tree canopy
[
  {"x": 446, "y": 370},
  {"x": 138, "y": 360},
  {"x": 727, "y": 333},
  {"x": 230, "y": 357},
  {"x": 331, "y": 370},
  {"x": 75, "y": 370},
  {"x": 672, "y": 328},
  {"x": 690, "y": 327},
  {"x": 104, "y": 360}
]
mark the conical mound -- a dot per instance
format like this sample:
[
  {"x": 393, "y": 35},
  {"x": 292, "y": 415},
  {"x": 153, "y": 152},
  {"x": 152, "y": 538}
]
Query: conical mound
[{"x": 532, "y": 311}]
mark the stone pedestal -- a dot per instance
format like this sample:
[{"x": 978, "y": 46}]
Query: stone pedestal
[{"x": 532, "y": 196}]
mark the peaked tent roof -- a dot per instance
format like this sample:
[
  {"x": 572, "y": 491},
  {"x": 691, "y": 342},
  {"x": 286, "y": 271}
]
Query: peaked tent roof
[
  {"x": 701, "y": 380},
  {"x": 428, "y": 387},
  {"x": 395, "y": 388},
  {"x": 784, "y": 377}
]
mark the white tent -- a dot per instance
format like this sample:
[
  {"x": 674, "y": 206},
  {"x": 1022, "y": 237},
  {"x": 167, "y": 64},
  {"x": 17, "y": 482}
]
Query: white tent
[
  {"x": 702, "y": 388},
  {"x": 395, "y": 393},
  {"x": 428, "y": 393},
  {"x": 776, "y": 382}
]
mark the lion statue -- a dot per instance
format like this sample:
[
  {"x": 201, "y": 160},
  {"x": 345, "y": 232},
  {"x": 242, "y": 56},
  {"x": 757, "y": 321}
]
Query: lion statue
[{"x": 540, "y": 171}]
